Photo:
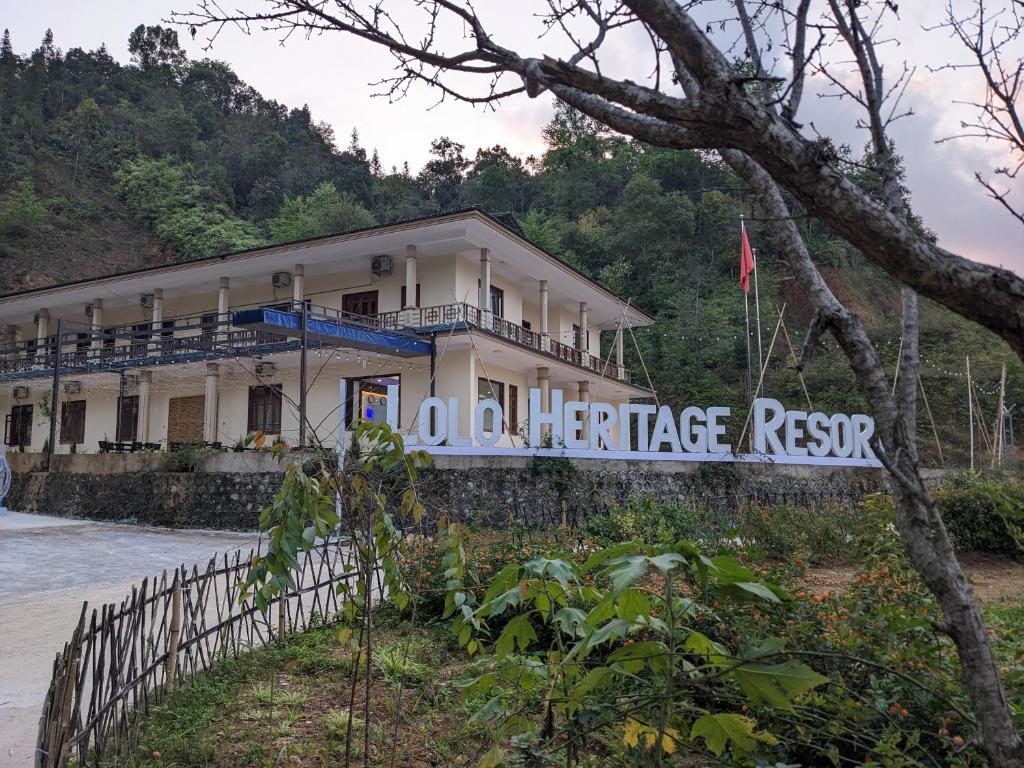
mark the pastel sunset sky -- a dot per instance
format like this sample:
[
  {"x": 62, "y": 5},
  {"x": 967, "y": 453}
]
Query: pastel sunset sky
[{"x": 333, "y": 75}]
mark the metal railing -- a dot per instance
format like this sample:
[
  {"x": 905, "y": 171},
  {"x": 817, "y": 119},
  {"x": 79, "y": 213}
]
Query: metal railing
[{"x": 208, "y": 335}]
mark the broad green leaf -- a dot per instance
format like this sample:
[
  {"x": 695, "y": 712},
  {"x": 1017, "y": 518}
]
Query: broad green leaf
[
  {"x": 727, "y": 727},
  {"x": 599, "y": 557},
  {"x": 776, "y": 684},
  {"x": 571, "y": 621},
  {"x": 518, "y": 632},
  {"x": 494, "y": 758},
  {"x": 626, "y": 571},
  {"x": 632, "y": 603}
]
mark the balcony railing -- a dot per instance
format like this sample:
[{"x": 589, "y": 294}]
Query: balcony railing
[
  {"x": 207, "y": 336},
  {"x": 453, "y": 314}
]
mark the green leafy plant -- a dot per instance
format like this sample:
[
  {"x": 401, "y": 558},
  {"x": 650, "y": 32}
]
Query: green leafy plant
[{"x": 617, "y": 644}]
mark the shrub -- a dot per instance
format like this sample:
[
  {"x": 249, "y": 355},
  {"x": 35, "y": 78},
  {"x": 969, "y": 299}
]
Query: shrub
[
  {"x": 643, "y": 518},
  {"x": 983, "y": 513},
  {"x": 780, "y": 531},
  {"x": 486, "y": 553}
]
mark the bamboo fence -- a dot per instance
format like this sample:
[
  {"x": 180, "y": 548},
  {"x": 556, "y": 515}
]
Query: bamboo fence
[{"x": 123, "y": 659}]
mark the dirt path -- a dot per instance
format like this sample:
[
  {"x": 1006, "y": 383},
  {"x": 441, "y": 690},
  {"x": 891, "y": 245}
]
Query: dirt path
[
  {"x": 48, "y": 567},
  {"x": 993, "y": 577}
]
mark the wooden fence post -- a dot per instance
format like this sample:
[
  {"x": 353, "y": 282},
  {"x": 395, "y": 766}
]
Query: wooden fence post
[
  {"x": 281, "y": 613},
  {"x": 173, "y": 636}
]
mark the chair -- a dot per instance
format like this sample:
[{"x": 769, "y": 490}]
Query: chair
[{"x": 104, "y": 446}]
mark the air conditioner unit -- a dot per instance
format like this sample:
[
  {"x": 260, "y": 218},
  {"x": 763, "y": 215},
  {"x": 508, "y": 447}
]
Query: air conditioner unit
[
  {"x": 380, "y": 266},
  {"x": 20, "y": 393},
  {"x": 146, "y": 301},
  {"x": 72, "y": 387},
  {"x": 88, "y": 310},
  {"x": 281, "y": 279},
  {"x": 264, "y": 369}
]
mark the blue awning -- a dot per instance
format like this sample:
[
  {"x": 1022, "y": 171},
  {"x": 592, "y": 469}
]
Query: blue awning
[{"x": 331, "y": 332}]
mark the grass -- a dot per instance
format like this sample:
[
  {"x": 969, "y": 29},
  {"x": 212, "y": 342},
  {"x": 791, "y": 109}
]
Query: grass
[{"x": 287, "y": 705}]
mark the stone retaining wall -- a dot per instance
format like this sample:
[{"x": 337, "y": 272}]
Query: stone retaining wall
[{"x": 479, "y": 489}]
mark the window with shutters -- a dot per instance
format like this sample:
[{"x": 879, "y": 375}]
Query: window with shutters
[
  {"x": 72, "y": 422},
  {"x": 513, "y": 408},
  {"x": 127, "y": 418},
  {"x": 402, "y": 298},
  {"x": 265, "y": 409},
  {"x": 19, "y": 427}
]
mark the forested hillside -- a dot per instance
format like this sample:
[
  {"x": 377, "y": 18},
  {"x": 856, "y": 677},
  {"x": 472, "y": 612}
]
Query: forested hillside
[{"x": 105, "y": 167}]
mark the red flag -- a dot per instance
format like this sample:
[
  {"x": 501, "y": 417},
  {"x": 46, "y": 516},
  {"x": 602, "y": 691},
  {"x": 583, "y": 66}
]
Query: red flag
[{"x": 746, "y": 260}]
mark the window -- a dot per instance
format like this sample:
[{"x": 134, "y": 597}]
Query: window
[
  {"x": 513, "y": 408},
  {"x": 577, "y": 338},
  {"x": 497, "y": 300},
  {"x": 127, "y": 418},
  {"x": 108, "y": 338},
  {"x": 363, "y": 303},
  {"x": 72, "y": 422},
  {"x": 402, "y": 299},
  {"x": 19, "y": 426},
  {"x": 140, "y": 337},
  {"x": 82, "y": 346},
  {"x": 490, "y": 390},
  {"x": 208, "y": 324},
  {"x": 166, "y": 336},
  {"x": 265, "y": 409},
  {"x": 527, "y": 325},
  {"x": 368, "y": 398}
]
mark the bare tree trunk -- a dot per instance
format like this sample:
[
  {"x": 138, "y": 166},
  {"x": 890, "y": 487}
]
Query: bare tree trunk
[{"x": 921, "y": 529}]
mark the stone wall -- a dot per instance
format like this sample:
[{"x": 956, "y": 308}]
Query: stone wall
[{"x": 229, "y": 490}]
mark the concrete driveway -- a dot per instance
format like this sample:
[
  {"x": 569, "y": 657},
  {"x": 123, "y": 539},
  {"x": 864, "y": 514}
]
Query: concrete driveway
[{"x": 48, "y": 567}]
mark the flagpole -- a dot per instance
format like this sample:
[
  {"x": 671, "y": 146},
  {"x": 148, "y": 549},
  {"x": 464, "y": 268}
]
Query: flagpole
[
  {"x": 746, "y": 317},
  {"x": 757, "y": 311}
]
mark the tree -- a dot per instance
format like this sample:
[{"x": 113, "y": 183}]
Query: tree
[
  {"x": 155, "y": 47},
  {"x": 700, "y": 97},
  {"x": 326, "y": 211},
  {"x": 442, "y": 176},
  {"x": 21, "y": 210}
]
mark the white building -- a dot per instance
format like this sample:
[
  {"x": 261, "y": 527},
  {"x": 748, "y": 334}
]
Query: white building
[{"x": 455, "y": 305}]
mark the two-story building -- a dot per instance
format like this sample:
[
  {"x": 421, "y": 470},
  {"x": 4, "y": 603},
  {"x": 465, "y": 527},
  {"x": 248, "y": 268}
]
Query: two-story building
[{"x": 210, "y": 350}]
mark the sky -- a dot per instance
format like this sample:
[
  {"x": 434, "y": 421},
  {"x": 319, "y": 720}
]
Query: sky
[{"x": 333, "y": 74}]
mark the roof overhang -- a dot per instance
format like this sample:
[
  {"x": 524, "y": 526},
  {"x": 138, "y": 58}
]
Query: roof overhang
[{"x": 461, "y": 232}]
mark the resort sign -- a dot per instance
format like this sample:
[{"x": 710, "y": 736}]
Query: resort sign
[{"x": 639, "y": 431}]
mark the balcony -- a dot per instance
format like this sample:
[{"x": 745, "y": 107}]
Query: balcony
[
  {"x": 446, "y": 316},
  {"x": 206, "y": 337}
]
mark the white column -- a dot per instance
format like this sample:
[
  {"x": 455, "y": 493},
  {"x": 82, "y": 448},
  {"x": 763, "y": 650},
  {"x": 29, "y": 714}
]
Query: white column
[
  {"x": 156, "y": 326},
  {"x": 223, "y": 299},
  {"x": 298, "y": 285},
  {"x": 545, "y": 338},
  {"x": 97, "y": 323},
  {"x": 223, "y": 306},
  {"x": 145, "y": 386},
  {"x": 485, "y": 287},
  {"x": 584, "y": 344},
  {"x": 409, "y": 308},
  {"x": 584, "y": 388},
  {"x": 544, "y": 384},
  {"x": 210, "y": 404},
  {"x": 42, "y": 331}
]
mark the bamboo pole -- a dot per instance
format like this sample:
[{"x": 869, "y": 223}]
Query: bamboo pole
[
  {"x": 970, "y": 409},
  {"x": 760, "y": 379},
  {"x": 935, "y": 432},
  {"x": 173, "y": 636},
  {"x": 980, "y": 416},
  {"x": 899, "y": 362},
  {"x": 997, "y": 438},
  {"x": 796, "y": 364}
]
